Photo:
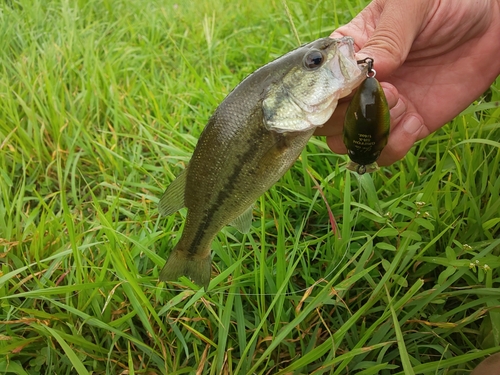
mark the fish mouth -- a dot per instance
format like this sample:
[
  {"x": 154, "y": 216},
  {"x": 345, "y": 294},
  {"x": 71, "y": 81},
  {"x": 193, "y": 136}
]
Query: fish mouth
[
  {"x": 346, "y": 42},
  {"x": 345, "y": 68},
  {"x": 346, "y": 46}
]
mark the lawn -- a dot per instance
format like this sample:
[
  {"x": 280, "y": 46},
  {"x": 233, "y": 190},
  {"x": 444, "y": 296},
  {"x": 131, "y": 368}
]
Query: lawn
[{"x": 101, "y": 104}]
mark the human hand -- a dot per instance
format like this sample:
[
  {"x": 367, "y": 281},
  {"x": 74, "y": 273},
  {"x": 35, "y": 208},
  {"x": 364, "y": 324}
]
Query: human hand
[{"x": 433, "y": 59}]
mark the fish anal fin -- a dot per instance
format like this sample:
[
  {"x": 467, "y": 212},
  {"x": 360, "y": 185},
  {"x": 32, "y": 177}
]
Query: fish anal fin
[
  {"x": 172, "y": 199},
  {"x": 244, "y": 222},
  {"x": 178, "y": 264}
]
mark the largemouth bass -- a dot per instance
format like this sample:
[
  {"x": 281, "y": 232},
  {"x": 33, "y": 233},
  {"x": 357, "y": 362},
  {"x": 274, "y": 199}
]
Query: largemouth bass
[
  {"x": 251, "y": 140},
  {"x": 366, "y": 126}
]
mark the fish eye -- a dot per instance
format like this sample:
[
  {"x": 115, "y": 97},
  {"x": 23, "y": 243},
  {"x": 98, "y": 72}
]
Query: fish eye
[{"x": 313, "y": 59}]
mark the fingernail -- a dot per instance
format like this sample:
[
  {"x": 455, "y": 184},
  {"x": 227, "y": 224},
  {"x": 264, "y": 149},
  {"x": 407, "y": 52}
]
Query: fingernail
[
  {"x": 336, "y": 35},
  {"x": 412, "y": 125},
  {"x": 392, "y": 99}
]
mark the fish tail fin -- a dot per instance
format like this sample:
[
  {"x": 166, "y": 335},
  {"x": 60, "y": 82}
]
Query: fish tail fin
[{"x": 178, "y": 264}]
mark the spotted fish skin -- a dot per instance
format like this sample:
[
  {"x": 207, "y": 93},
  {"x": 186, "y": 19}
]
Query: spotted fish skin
[
  {"x": 366, "y": 127},
  {"x": 251, "y": 140}
]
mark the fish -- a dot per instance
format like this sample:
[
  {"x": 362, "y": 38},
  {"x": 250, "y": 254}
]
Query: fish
[
  {"x": 253, "y": 137},
  {"x": 366, "y": 126}
]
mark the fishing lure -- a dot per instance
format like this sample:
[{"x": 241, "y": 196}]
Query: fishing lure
[{"x": 366, "y": 124}]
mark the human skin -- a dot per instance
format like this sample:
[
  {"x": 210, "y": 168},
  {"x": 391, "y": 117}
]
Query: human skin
[
  {"x": 489, "y": 366},
  {"x": 432, "y": 57}
]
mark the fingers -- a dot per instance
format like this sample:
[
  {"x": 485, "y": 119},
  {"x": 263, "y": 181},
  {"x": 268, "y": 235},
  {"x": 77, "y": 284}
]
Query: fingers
[
  {"x": 334, "y": 125},
  {"x": 402, "y": 138},
  {"x": 385, "y": 31},
  {"x": 407, "y": 127}
]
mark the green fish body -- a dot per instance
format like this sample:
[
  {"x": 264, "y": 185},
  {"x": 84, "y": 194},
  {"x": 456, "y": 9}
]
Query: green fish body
[
  {"x": 366, "y": 127},
  {"x": 251, "y": 140}
]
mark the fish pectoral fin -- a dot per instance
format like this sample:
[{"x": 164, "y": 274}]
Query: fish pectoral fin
[
  {"x": 244, "y": 222},
  {"x": 172, "y": 199}
]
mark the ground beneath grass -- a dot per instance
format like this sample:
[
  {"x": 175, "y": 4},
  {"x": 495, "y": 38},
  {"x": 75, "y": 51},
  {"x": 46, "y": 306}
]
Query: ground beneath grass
[{"x": 101, "y": 104}]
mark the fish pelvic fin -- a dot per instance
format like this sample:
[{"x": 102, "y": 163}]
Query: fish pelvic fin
[
  {"x": 173, "y": 198},
  {"x": 181, "y": 264},
  {"x": 244, "y": 222}
]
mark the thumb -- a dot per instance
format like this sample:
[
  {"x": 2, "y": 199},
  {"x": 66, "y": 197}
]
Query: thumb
[{"x": 386, "y": 30}]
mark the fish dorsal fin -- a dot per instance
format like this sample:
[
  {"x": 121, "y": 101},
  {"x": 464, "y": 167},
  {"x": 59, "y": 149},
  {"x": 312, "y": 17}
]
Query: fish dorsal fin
[
  {"x": 173, "y": 198},
  {"x": 244, "y": 222}
]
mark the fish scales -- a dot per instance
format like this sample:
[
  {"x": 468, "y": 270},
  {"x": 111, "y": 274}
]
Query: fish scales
[{"x": 251, "y": 140}]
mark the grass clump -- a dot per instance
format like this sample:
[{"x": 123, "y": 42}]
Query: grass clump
[{"x": 101, "y": 104}]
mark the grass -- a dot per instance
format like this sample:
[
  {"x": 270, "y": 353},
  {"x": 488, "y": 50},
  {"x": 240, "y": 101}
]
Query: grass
[{"x": 101, "y": 104}]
